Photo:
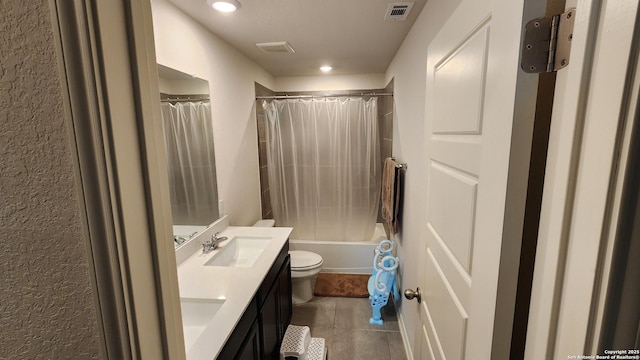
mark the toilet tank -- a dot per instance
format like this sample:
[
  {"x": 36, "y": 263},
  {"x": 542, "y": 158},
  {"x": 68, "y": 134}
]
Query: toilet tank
[{"x": 265, "y": 223}]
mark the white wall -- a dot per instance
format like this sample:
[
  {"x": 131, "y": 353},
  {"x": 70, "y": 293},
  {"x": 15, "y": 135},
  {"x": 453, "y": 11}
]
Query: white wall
[
  {"x": 408, "y": 69},
  {"x": 184, "y": 45},
  {"x": 187, "y": 87},
  {"x": 330, "y": 82}
]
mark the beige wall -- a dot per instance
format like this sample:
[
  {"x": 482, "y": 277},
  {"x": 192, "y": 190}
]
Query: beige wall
[
  {"x": 184, "y": 45},
  {"x": 188, "y": 87},
  {"x": 47, "y": 304},
  {"x": 408, "y": 70}
]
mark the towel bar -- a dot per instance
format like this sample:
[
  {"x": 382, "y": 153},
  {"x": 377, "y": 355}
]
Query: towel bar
[{"x": 399, "y": 166}]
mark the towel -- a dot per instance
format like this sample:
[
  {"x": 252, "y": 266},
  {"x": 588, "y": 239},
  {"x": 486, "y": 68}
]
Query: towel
[
  {"x": 397, "y": 203},
  {"x": 388, "y": 195}
]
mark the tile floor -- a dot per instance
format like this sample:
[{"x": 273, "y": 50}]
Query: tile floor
[{"x": 344, "y": 324}]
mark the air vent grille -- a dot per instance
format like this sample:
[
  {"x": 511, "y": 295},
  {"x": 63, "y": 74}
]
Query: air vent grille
[
  {"x": 276, "y": 47},
  {"x": 398, "y": 11}
]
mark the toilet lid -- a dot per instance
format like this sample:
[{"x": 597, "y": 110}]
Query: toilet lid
[{"x": 301, "y": 260}]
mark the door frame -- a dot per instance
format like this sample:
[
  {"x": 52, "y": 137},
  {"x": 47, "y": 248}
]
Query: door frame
[
  {"x": 585, "y": 166},
  {"x": 613, "y": 312},
  {"x": 108, "y": 71}
]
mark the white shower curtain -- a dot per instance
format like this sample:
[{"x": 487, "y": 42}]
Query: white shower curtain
[
  {"x": 324, "y": 166},
  {"x": 188, "y": 133}
]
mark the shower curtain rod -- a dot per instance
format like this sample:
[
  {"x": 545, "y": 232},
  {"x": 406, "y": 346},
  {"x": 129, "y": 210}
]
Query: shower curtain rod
[
  {"x": 311, "y": 96},
  {"x": 183, "y": 99}
]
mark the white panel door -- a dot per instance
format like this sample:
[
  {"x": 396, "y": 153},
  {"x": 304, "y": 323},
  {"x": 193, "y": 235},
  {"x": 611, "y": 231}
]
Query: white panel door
[{"x": 473, "y": 77}]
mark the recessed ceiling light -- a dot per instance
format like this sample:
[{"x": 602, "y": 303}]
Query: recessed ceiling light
[
  {"x": 225, "y": 6},
  {"x": 326, "y": 68}
]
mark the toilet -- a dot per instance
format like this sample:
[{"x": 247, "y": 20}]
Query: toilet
[{"x": 305, "y": 266}]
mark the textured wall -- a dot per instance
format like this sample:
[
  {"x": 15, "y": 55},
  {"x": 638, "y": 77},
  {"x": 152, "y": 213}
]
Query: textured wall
[{"x": 47, "y": 308}]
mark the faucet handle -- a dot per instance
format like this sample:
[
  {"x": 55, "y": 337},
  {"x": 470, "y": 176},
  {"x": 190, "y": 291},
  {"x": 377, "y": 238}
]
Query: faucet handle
[
  {"x": 217, "y": 239},
  {"x": 206, "y": 245}
]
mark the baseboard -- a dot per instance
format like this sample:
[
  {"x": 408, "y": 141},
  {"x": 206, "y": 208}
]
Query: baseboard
[{"x": 403, "y": 333}]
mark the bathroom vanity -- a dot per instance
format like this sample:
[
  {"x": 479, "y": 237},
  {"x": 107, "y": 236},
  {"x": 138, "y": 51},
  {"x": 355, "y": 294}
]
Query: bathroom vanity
[{"x": 236, "y": 299}]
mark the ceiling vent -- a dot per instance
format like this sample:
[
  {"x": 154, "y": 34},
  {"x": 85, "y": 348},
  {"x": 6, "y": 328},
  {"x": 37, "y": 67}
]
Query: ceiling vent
[
  {"x": 398, "y": 11},
  {"x": 276, "y": 47}
]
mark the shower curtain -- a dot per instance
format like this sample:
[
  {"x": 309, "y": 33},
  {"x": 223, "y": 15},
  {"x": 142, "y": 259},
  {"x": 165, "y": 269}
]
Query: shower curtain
[
  {"x": 188, "y": 133},
  {"x": 324, "y": 167}
]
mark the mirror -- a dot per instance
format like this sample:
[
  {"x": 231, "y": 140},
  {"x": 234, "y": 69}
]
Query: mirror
[{"x": 188, "y": 133}]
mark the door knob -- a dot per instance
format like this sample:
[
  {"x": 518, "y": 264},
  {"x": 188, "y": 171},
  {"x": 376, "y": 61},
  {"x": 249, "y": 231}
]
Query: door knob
[{"x": 413, "y": 294}]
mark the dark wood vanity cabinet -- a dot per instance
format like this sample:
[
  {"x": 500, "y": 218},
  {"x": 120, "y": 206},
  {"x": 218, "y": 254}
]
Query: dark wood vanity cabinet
[
  {"x": 259, "y": 332},
  {"x": 285, "y": 299},
  {"x": 275, "y": 314},
  {"x": 250, "y": 348}
]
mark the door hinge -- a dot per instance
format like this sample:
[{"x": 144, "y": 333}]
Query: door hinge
[{"x": 547, "y": 43}]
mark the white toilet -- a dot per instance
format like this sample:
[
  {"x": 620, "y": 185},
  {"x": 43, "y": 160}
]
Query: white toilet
[{"x": 305, "y": 266}]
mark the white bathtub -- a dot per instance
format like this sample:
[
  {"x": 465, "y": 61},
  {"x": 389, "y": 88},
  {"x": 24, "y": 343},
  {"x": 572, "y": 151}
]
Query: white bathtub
[{"x": 343, "y": 257}]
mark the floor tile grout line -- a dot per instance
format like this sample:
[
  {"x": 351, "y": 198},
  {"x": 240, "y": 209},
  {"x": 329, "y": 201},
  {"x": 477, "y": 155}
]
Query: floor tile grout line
[
  {"x": 335, "y": 311},
  {"x": 333, "y": 304},
  {"x": 385, "y": 331}
]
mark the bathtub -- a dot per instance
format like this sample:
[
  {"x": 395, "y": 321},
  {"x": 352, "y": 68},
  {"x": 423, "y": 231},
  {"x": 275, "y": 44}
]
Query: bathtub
[{"x": 343, "y": 257}]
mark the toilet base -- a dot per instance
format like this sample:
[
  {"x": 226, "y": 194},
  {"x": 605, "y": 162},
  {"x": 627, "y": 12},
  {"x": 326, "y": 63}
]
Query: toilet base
[{"x": 302, "y": 289}]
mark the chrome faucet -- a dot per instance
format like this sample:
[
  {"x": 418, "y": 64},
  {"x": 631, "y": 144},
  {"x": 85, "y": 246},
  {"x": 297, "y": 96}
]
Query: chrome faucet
[{"x": 212, "y": 244}]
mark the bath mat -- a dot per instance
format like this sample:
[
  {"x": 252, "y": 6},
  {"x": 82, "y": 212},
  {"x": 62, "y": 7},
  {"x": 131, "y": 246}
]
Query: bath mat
[{"x": 341, "y": 285}]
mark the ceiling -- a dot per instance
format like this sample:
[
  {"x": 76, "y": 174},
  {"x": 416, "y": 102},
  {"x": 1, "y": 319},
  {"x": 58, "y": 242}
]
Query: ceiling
[{"x": 350, "y": 35}]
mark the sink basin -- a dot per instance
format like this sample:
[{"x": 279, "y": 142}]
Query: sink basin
[
  {"x": 241, "y": 251},
  {"x": 196, "y": 315}
]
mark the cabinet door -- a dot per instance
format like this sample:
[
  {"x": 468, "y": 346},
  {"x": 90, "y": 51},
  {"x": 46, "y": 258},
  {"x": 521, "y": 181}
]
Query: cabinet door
[
  {"x": 250, "y": 350},
  {"x": 245, "y": 333},
  {"x": 285, "y": 303},
  {"x": 276, "y": 312},
  {"x": 269, "y": 323}
]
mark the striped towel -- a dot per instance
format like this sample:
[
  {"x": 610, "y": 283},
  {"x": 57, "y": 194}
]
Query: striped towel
[{"x": 391, "y": 195}]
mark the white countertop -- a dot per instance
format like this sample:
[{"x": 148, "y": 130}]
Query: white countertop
[{"x": 237, "y": 285}]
